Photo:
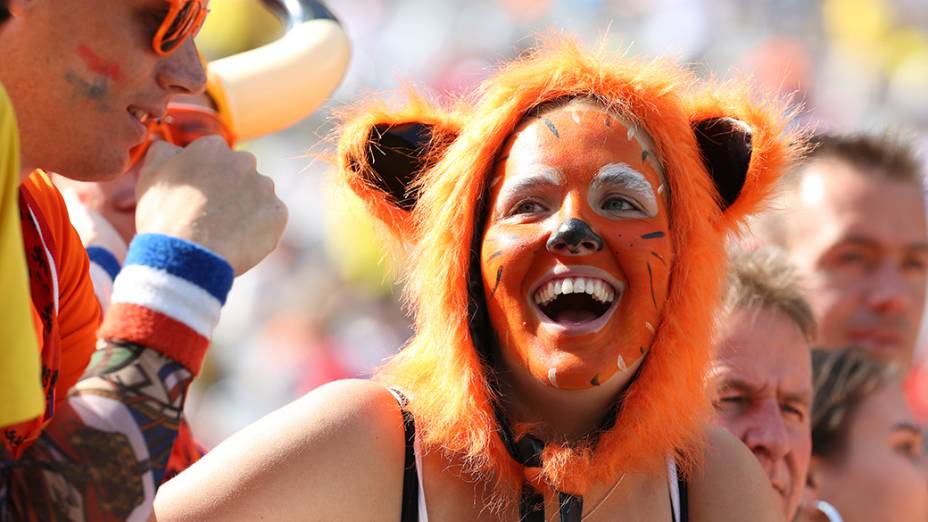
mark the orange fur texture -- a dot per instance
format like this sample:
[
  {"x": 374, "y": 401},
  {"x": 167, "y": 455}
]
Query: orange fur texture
[{"x": 666, "y": 407}]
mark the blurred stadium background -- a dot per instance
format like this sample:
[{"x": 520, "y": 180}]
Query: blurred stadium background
[{"x": 325, "y": 305}]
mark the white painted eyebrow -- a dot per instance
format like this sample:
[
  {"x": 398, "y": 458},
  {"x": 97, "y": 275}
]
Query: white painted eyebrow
[
  {"x": 531, "y": 176},
  {"x": 623, "y": 175}
]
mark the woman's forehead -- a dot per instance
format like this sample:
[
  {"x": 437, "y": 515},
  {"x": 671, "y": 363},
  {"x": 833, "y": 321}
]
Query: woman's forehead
[{"x": 579, "y": 127}]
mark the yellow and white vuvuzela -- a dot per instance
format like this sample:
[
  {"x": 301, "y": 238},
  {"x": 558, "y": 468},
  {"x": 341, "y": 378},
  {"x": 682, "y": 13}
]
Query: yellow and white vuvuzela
[{"x": 264, "y": 90}]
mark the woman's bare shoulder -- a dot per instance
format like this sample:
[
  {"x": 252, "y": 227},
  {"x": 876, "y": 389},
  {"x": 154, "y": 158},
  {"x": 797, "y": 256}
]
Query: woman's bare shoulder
[
  {"x": 731, "y": 484},
  {"x": 336, "y": 453}
]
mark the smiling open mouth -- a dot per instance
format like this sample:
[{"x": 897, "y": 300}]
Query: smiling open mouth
[{"x": 574, "y": 300}]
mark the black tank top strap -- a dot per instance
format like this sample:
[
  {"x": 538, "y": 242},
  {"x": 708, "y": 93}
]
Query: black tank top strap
[
  {"x": 410, "y": 512},
  {"x": 684, "y": 499}
]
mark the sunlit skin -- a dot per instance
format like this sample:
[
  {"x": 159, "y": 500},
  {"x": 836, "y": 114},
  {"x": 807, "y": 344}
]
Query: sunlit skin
[
  {"x": 114, "y": 199},
  {"x": 614, "y": 189},
  {"x": 881, "y": 474},
  {"x": 761, "y": 380},
  {"x": 862, "y": 246},
  {"x": 97, "y": 69}
]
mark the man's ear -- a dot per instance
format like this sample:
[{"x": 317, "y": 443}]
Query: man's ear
[
  {"x": 382, "y": 155},
  {"x": 726, "y": 145}
]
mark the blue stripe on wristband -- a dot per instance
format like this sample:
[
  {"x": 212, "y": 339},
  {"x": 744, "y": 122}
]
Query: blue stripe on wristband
[
  {"x": 183, "y": 259},
  {"x": 104, "y": 259}
]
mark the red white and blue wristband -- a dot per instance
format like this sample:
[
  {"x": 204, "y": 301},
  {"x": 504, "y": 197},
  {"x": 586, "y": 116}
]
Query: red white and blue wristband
[{"x": 168, "y": 297}]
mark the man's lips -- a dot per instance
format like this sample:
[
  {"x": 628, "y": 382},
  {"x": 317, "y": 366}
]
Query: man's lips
[
  {"x": 593, "y": 284},
  {"x": 881, "y": 336}
]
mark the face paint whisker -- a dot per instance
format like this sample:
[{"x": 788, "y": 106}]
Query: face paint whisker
[
  {"x": 552, "y": 377},
  {"x": 651, "y": 284},
  {"x": 653, "y": 235},
  {"x": 494, "y": 255},
  {"x": 499, "y": 276},
  {"x": 551, "y": 127}
]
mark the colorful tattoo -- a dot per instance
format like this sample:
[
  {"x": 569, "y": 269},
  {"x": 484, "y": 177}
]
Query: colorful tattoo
[{"x": 105, "y": 451}]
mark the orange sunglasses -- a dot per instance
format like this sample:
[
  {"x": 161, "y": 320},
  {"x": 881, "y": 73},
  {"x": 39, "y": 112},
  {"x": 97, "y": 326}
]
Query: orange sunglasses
[
  {"x": 183, "y": 124},
  {"x": 183, "y": 19}
]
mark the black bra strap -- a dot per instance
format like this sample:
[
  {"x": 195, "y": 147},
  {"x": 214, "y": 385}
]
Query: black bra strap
[{"x": 410, "y": 511}]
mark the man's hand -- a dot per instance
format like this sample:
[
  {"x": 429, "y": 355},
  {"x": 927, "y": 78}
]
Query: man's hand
[{"x": 213, "y": 196}]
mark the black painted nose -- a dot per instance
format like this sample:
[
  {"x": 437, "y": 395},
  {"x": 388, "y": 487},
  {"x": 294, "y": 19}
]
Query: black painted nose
[{"x": 574, "y": 237}]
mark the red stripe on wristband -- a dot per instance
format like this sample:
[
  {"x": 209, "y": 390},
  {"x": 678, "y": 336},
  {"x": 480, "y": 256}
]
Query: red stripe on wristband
[{"x": 143, "y": 326}]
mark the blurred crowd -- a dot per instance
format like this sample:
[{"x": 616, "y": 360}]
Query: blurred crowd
[
  {"x": 821, "y": 352},
  {"x": 327, "y": 304}
]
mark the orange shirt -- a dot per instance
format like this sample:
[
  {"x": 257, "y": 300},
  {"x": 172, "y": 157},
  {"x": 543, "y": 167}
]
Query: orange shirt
[
  {"x": 79, "y": 310},
  {"x": 66, "y": 336}
]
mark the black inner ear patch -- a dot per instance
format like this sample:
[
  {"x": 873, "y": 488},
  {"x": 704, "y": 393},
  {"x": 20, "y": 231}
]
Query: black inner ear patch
[
  {"x": 726, "y": 151},
  {"x": 396, "y": 154}
]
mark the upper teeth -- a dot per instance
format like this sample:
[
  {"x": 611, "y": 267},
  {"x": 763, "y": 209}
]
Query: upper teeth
[
  {"x": 598, "y": 288},
  {"x": 139, "y": 114}
]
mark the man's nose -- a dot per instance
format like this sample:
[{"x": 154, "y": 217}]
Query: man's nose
[
  {"x": 766, "y": 435},
  {"x": 182, "y": 72},
  {"x": 574, "y": 237}
]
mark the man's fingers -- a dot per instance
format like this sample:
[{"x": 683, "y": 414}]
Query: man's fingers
[{"x": 158, "y": 154}]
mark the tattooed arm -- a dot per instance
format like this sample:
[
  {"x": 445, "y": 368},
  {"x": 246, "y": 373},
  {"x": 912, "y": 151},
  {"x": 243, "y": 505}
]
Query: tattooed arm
[{"x": 106, "y": 448}]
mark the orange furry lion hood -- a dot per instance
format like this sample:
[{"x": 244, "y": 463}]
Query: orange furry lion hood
[{"x": 423, "y": 170}]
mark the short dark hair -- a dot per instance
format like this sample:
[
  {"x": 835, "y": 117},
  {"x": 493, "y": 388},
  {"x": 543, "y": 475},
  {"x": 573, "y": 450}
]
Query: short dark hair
[{"x": 881, "y": 155}]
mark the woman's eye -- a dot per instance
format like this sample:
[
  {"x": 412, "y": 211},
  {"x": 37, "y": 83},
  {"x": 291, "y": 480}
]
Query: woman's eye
[
  {"x": 527, "y": 207},
  {"x": 617, "y": 204}
]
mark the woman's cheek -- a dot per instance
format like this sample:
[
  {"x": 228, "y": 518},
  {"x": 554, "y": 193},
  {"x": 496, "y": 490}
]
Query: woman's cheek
[
  {"x": 644, "y": 254},
  {"x": 507, "y": 257}
]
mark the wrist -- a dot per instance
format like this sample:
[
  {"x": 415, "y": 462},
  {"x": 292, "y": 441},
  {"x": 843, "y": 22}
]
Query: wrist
[{"x": 168, "y": 297}]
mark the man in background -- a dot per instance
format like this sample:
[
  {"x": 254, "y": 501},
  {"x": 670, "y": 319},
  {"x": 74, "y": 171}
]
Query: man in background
[
  {"x": 851, "y": 218},
  {"x": 761, "y": 377}
]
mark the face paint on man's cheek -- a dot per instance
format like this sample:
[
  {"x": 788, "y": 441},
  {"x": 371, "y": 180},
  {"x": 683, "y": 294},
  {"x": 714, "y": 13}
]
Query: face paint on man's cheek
[{"x": 95, "y": 83}]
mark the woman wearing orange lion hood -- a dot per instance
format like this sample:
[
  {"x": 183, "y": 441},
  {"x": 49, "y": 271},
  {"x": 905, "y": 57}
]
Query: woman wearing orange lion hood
[{"x": 568, "y": 231}]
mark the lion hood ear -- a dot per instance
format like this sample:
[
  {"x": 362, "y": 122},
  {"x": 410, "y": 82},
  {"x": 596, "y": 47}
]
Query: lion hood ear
[
  {"x": 745, "y": 147},
  {"x": 383, "y": 153}
]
